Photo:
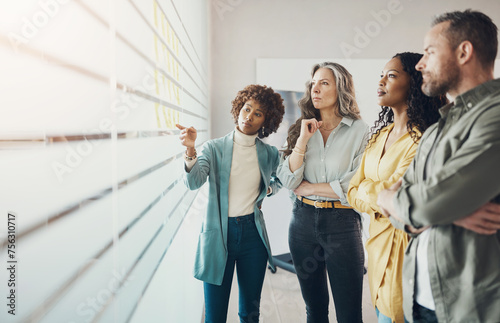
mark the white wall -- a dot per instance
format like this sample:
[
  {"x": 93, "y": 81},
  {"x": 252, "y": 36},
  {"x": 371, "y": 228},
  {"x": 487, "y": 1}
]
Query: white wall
[{"x": 90, "y": 161}]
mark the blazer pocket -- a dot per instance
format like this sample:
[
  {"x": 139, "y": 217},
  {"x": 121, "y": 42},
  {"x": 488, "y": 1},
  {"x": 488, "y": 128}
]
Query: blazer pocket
[
  {"x": 210, "y": 256},
  {"x": 208, "y": 238}
]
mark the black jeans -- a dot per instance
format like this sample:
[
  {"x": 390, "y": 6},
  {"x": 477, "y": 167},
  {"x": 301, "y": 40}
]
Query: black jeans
[
  {"x": 423, "y": 314},
  {"x": 328, "y": 240}
]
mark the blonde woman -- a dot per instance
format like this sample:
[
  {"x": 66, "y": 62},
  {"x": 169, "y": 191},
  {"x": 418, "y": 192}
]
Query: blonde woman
[{"x": 324, "y": 150}]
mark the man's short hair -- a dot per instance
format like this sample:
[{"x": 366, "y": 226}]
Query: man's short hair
[{"x": 475, "y": 27}]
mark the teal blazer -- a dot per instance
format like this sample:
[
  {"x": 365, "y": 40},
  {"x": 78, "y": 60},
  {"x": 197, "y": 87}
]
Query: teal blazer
[{"x": 215, "y": 162}]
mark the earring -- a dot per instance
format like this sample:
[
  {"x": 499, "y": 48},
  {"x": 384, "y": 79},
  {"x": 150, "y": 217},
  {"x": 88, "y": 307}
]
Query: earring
[{"x": 262, "y": 132}]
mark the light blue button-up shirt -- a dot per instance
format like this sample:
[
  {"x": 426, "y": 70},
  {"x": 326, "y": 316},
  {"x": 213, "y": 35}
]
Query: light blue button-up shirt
[{"x": 334, "y": 163}]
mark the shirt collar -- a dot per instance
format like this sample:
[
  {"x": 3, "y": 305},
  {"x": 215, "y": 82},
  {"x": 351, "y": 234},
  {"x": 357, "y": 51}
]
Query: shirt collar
[
  {"x": 390, "y": 126},
  {"x": 242, "y": 139},
  {"x": 445, "y": 109},
  {"x": 347, "y": 121},
  {"x": 472, "y": 97}
]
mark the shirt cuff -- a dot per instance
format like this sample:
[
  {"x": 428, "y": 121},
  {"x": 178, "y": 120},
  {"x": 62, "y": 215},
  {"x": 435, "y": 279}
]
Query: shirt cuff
[
  {"x": 337, "y": 188},
  {"x": 292, "y": 179},
  {"x": 397, "y": 224},
  {"x": 188, "y": 164}
]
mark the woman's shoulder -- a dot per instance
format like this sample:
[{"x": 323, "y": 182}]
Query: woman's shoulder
[
  {"x": 376, "y": 136},
  {"x": 219, "y": 141},
  {"x": 359, "y": 124},
  {"x": 387, "y": 128},
  {"x": 268, "y": 147},
  {"x": 358, "y": 127}
]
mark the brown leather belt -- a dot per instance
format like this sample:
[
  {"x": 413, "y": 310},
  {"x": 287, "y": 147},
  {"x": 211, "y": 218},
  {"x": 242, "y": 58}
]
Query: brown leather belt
[{"x": 323, "y": 204}]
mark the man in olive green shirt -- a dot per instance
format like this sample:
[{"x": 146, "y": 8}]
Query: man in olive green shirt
[{"x": 446, "y": 198}]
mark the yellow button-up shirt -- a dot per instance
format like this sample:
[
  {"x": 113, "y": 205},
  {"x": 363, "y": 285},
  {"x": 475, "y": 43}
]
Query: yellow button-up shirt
[{"x": 386, "y": 244}]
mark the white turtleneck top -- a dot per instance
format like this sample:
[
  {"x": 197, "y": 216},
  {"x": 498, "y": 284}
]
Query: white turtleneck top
[{"x": 244, "y": 179}]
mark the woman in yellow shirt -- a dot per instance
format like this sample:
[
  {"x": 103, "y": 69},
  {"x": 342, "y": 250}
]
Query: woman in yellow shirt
[{"x": 406, "y": 113}]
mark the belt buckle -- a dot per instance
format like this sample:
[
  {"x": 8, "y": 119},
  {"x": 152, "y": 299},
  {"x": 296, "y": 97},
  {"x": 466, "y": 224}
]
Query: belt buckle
[{"x": 318, "y": 207}]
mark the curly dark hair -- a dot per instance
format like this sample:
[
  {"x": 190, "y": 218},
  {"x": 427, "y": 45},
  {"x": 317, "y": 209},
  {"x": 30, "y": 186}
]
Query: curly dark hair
[
  {"x": 270, "y": 101},
  {"x": 347, "y": 105},
  {"x": 422, "y": 110}
]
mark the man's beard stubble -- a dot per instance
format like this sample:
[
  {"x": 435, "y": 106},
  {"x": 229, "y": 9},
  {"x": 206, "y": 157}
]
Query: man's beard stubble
[{"x": 440, "y": 85}]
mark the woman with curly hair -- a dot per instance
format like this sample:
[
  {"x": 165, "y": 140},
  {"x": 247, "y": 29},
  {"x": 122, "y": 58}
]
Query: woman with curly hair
[
  {"x": 406, "y": 113},
  {"x": 241, "y": 172},
  {"x": 324, "y": 149}
]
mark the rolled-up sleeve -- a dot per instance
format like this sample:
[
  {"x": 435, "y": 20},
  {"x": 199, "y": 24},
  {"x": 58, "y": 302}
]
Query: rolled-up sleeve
[
  {"x": 195, "y": 177},
  {"x": 341, "y": 186},
  {"x": 339, "y": 190},
  {"x": 289, "y": 179},
  {"x": 188, "y": 164},
  {"x": 355, "y": 194}
]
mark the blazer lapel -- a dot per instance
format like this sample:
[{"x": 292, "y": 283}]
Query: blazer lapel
[
  {"x": 263, "y": 159},
  {"x": 225, "y": 171}
]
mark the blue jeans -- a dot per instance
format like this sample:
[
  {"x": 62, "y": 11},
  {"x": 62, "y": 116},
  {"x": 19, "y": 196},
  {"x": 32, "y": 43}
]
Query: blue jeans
[
  {"x": 247, "y": 251},
  {"x": 382, "y": 318},
  {"x": 328, "y": 240}
]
